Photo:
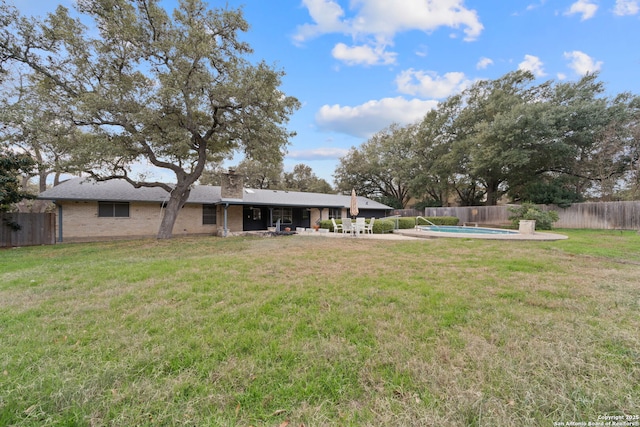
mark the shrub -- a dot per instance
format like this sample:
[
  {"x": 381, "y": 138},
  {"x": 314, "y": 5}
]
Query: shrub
[
  {"x": 406, "y": 222},
  {"x": 439, "y": 220},
  {"x": 381, "y": 226},
  {"x": 409, "y": 222},
  {"x": 529, "y": 211},
  {"x": 389, "y": 224}
]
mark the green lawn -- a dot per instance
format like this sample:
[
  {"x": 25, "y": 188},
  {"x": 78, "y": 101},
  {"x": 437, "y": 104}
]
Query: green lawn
[{"x": 317, "y": 331}]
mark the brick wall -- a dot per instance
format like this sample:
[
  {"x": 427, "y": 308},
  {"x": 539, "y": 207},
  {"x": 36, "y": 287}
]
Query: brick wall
[
  {"x": 234, "y": 219},
  {"x": 80, "y": 222}
]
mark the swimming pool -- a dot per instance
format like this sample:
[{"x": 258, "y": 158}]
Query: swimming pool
[
  {"x": 449, "y": 231},
  {"x": 466, "y": 230}
]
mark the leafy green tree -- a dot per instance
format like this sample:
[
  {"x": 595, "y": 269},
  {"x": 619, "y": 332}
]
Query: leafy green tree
[
  {"x": 261, "y": 174},
  {"x": 12, "y": 165},
  {"x": 556, "y": 190},
  {"x": 378, "y": 169},
  {"x": 432, "y": 165},
  {"x": 303, "y": 179},
  {"x": 255, "y": 174},
  {"x": 175, "y": 91},
  {"x": 37, "y": 125},
  {"x": 499, "y": 130},
  {"x": 588, "y": 126},
  {"x": 631, "y": 189},
  {"x": 587, "y": 148}
]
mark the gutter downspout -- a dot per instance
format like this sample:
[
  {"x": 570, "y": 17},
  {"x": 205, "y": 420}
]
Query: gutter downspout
[
  {"x": 226, "y": 207},
  {"x": 59, "y": 223}
]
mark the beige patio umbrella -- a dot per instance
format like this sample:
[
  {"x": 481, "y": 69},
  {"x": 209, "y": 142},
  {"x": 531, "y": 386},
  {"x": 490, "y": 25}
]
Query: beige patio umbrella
[{"x": 354, "y": 204}]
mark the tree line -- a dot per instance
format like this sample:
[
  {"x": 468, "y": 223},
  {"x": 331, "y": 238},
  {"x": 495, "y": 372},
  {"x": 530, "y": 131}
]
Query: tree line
[
  {"x": 509, "y": 138},
  {"x": 271, "y": 176}
]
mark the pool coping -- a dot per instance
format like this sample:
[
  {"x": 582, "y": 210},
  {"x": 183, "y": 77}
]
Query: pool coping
[{"x": 425, "y": 234}]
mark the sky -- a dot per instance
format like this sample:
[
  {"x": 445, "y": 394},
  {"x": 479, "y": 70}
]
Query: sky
[{"x": 357, "y": 66}]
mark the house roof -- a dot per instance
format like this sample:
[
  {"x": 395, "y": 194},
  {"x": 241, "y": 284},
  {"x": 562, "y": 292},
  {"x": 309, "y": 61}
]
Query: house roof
[{"x": 117, "y": 190}]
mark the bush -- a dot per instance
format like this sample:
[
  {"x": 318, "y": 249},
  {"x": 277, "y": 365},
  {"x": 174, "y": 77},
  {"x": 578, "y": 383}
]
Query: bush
[
  {"x": 529, "y": 211},
  {"x": 406, "y": 222},
  {"x": 381, "y": 226},
  {"x": 439, "y": 220},
  {"x": 387, "y": 225},
  {"x": 326, "y": 223}
]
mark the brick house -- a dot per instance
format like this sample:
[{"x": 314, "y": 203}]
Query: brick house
[{"x": 88, "y": 210}]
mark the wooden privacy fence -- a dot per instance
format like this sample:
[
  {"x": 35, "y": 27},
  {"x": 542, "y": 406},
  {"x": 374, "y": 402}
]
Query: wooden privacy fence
[
  {"x": 595, "y": 215},
  {"x": 34, "y": 229}
]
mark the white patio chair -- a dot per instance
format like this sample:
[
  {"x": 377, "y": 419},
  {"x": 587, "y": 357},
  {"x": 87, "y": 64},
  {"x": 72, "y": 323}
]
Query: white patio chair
[
  {"x": 368, "y": 228},
  {"x": 347, "y": 226},
  {"x": 336, "y": 227},
  {"x": 360, "y": 225}
]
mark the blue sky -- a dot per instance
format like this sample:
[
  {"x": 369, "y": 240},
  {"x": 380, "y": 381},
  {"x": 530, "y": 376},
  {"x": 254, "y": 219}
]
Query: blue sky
[{"x": 359, "y": 65}]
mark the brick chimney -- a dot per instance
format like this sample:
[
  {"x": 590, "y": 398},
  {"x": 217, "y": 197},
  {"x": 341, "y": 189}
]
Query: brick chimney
[{"x": 232, "y": 185}]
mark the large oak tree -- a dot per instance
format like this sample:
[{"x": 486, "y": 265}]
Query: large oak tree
[
  {"x": 378, "y": 168},
  {"x": 175, "y": 91}
]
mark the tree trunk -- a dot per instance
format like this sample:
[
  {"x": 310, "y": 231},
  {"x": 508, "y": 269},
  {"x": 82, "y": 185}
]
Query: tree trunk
[
  {"x": 42, "y": 180},
  {"x": 177, "y": 199},
  {"x": 492, "y": 193}
]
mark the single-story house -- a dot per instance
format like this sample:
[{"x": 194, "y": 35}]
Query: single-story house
[{"x": 91, "y": 210}]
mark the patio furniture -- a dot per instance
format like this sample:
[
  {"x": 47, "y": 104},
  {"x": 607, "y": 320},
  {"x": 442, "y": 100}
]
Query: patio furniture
[
  {"x": 368, "y": 228},
  {"x": 360, "y": 225},
  {"x": 336, "y": 227},
  {"x": 347, "y": 226}
]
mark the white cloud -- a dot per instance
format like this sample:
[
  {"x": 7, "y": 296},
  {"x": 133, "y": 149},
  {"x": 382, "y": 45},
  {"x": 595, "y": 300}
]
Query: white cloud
[
  {"x": 483, "y": 63},
  {"x": 378, "y": 21},
  {"x": 318, "y": 153},
  {"x": 429, "y": 84},
  {"x": 582, "y": 63},
  {"x": 364, "y": 54},
  {"x": 533, "y": 64},
  {"x": 390, "y": 17},
  {"x": 327, "y": 16},
  {"x": 422, "y": 51},
  {"x": 583, "y": 7},
  {"x": 626, "y": 7},
  {"x": 366, "y": 119},
  {"x": 534, "y": 6}
]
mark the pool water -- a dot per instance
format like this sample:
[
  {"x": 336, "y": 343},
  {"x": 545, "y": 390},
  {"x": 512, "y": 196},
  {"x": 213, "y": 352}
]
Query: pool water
[{"x": 467, "y": 230}]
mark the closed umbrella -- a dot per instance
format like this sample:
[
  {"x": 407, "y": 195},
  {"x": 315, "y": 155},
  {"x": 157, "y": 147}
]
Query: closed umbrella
[{"x": 354, "y": 204}]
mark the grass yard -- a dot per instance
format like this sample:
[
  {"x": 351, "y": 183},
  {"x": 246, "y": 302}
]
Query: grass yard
[{"x": 317, "y": 331}]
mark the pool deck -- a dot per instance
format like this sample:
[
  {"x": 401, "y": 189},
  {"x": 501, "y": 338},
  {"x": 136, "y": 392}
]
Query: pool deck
[
  {"x": 415, "y": 234},
  {"x": 425, "y": 234}
]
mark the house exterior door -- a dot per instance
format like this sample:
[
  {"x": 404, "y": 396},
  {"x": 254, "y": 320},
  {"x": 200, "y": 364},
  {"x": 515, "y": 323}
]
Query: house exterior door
[{"x": 255, "y": 218}]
